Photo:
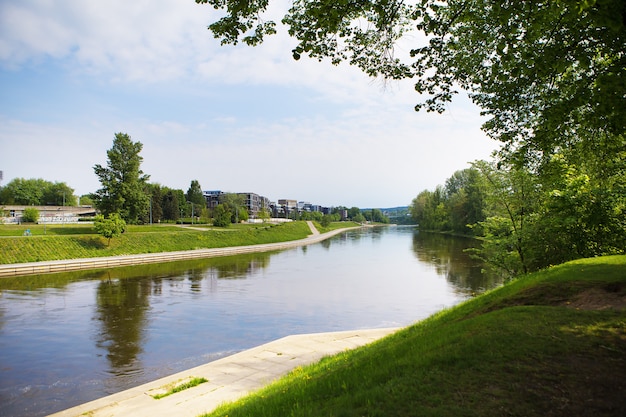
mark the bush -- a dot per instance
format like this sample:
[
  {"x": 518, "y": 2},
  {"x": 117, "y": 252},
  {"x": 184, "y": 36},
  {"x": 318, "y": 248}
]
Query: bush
[
  {"x": 31, "y": 215},
  {"x": 110, "y": 227}
]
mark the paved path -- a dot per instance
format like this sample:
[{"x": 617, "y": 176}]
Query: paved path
[
  {"x": 229, "y": 378},
  {"x": 313, "y": 228}
]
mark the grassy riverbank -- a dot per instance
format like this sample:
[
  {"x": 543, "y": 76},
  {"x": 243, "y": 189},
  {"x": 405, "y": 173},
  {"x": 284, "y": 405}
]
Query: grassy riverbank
[
  {"x": 47, "y": 243},
  {"x": 549, "y": 344}
]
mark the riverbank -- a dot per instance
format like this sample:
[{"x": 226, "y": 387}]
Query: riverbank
[
  {"x": 551, "y": 343},
  {"x": 45, "y": 267},
  {"x": 227, "y": 379}
]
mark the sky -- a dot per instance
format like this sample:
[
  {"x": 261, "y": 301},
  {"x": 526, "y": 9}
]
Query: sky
[{"x": 73, "y": 73}]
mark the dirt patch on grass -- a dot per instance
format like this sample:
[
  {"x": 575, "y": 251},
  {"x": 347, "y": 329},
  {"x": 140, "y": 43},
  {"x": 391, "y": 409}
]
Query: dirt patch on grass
[
  {"x": 580, "y": 295},
  {"x": 599, "y": 298}
]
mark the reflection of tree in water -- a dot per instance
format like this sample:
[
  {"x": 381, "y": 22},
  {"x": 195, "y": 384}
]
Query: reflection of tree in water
[
  {"x": 447, "y": 254},
  {"x": 377, "y": 232},
  {"x": 2, "y": 316},
  {"x": 121, "y": 310},
  {"x": 241, "y": 266}
]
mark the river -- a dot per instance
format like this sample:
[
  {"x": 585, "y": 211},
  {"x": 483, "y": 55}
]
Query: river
[{"x": 70, "y": 338}]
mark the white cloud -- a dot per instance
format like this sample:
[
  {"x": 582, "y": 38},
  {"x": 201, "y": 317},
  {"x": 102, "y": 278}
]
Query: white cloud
[{"x": 234, "y": 118}]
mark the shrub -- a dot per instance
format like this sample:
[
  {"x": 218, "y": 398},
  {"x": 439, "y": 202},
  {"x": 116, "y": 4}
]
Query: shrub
[{"x": 31, "y": 215}]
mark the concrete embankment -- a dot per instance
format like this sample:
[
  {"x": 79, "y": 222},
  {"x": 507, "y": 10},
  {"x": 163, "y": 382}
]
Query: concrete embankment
[
  {"x": 46, "y": 267},
  {"x": 228, "y": 379}
]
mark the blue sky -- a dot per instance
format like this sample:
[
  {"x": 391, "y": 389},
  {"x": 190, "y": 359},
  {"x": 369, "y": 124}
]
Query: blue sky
[{"x": 237, "y": 119}]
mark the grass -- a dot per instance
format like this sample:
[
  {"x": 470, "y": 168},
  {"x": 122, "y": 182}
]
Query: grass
[
  {"x": 178, "y": 388},
  {"x": 48, "y": 243},
  {"x": 551, "y": 343},
  {"x": 334, "y": 226}
]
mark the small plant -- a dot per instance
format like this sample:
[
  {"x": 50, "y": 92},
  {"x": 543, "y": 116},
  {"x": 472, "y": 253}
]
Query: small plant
[
  {"x": 192, "y": 383},
  {"x": 110, "y": 227}
]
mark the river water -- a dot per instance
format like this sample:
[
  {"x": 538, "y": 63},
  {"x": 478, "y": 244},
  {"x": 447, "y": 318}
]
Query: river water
[{"x": 70, "y": 338}]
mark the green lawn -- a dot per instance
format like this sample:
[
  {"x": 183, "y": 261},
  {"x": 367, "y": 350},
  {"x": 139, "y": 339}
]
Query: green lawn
[
  {"x": 80, "y": 241},
  {"x": 548, "y": 344}
]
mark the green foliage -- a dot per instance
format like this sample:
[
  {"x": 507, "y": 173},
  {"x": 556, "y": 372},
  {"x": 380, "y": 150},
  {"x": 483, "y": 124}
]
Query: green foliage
[
  {"x": 549, "y": 77},
  {"x": 221, "y": 216},
  {"x": 170, "y": 204},
  {"x": 326, "y": 220},
  {"x": 429, "y": 211},
  {"x": 242, "y": 215},
  {"x": 375, "y": 215},
  {"x": 234, "y": 204},
  {"x": 178, "y": 388},
  {"x": 194, "y": 194},
  {"x": 567, "y": 209},
  {"x": 523, "y": 62},
  {"x": 37, "y": 192},
  {"x": 264, "y": 214},
  {"x": 123, "y": 183},
  {"x": 31, "y": 215},
  {"x": 110, "y": 227},
  {"x": 83, "y": 243},
  {"x": 85, "y": 200},
  {"x": 359, "y": 218}
]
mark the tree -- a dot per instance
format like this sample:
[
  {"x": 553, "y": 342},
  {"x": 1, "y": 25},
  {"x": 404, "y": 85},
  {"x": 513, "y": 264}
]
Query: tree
[
  {"x": 221, "y": 216},
  {"x": 23, "y": 191},
  {"x": 194, "y": 194},
  {"x": 550, "y": 77},
  {"x": 59, "y": 194},
  {"x": 37, "y": 192},
  {"x": 326, "y": 220},
  {"x": 514, "y": 199},
  {"x": 429, "y": 210},
  {"x": 465, "y": 199},
  {"x": 85, "y": 200},
  {"x": 170, "y": 205},
  {"x": 109, "y": 227},
  {"x": 235, "y": 205},
  {"x": 123, "y": 182},
  {"x": 264, "y": 214}
]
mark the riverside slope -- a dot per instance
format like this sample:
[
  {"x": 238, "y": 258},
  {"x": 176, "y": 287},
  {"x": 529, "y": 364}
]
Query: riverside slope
[{"x": 46, "y": 267}]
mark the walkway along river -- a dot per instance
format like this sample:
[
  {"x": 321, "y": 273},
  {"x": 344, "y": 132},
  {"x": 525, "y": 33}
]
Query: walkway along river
[
  {"x": 33, "y": 268},
  {"x": 69, "y": 338}
]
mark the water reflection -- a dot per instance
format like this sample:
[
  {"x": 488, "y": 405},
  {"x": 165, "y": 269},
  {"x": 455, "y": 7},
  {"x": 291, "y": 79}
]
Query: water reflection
[
  {"x": 447, "y": 254},
  {"x": 121, "y": 314},
  {"x": 86, "y": 334}
]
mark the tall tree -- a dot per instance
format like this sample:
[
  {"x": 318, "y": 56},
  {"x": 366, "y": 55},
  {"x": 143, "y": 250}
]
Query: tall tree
[
  {"x": 465, "y": 199},
  {"x": 123, "y": 182},
  {"x": 170, "y": 205},
  {"x": 194, "y": 194},
  {"x": 514, "y": 198}
]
